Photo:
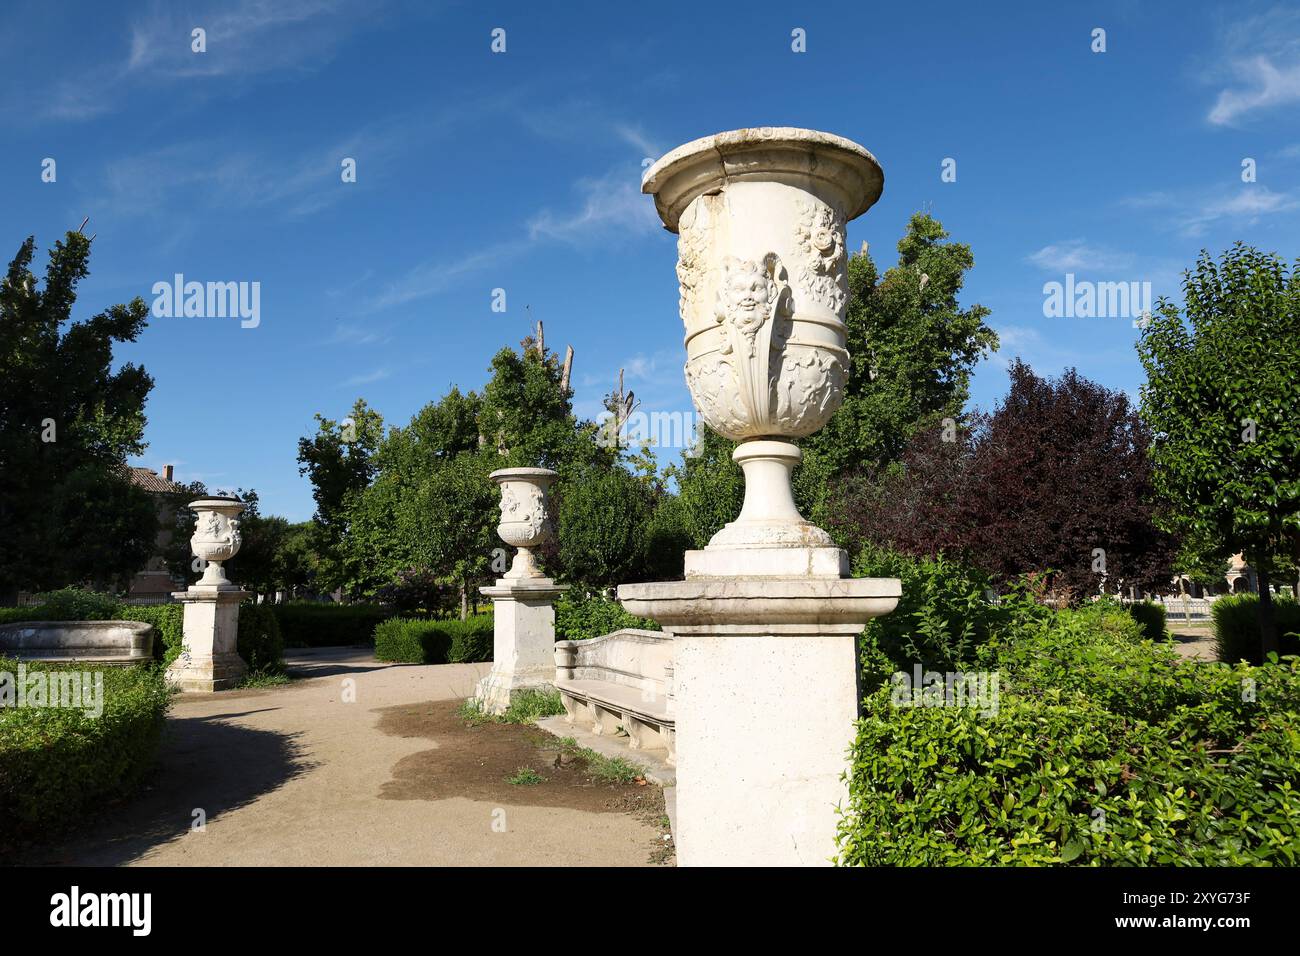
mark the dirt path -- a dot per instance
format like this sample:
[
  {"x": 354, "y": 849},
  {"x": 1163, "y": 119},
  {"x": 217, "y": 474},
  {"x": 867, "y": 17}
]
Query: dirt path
[{"x": 294, "y": 775}]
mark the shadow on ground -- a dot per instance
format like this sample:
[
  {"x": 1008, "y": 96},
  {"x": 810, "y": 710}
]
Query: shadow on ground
[{"x": 204, "y": 762}]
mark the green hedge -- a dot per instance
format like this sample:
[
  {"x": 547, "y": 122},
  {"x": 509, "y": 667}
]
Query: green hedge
[
  {"x": 581, "y": 617},
  {"x": 306, "y": 624},
  {"x": 942, "y": 618},
  {"x": 260, "y": 643},
  {"x": 1152, "y": 618},
  {"x": 407, "y": 640},
  {"x": 1236, "y": 627},
  {"x": 1105, "y": 749},
  {"x": 56, "y": 763},
  {"x": 168, "y": 626}
]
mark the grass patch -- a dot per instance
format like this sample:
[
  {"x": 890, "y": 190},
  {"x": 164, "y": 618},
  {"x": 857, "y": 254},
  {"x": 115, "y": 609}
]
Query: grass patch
[
  {"x": 264, "y": 678},
  {"x": 525, "y": 777},
  {"x": 600, "y": 768},
  {"x": 525, "y": 707}
]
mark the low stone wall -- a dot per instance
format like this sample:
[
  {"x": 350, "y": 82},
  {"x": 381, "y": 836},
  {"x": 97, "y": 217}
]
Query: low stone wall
[{"x": 100, "y": 642}]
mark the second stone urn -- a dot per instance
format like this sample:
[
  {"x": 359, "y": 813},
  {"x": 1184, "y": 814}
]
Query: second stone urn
[
  {"x": 762, "y": 272},
  {"x": 523, "y": 641},
  {"x": 525, "y": 523},
  {"x": 216, "y": 537}
]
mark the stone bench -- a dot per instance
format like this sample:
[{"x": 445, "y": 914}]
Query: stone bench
[
  {"x": 90, "y": 642},
  {"x": 620, "y": 680}
]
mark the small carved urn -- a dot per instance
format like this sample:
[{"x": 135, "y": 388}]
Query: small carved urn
[
  {"x": 216, "y": 538},
  {"x": 762, "y": 270},
  {"x": 525, "y": 522}
]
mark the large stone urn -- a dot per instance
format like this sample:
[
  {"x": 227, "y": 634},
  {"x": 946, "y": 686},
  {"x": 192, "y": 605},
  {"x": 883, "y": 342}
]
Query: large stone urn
[
  {"x": 523, "y": 639},
  {"x": 765, "y": 624},
  {"x": 209, "y": 658},
  {"x": 525, "y": 522},
  {"x": 216, "y": 537}
]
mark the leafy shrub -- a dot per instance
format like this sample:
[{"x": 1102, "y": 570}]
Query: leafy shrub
[
  {"x": 168, "y": 626},
  {"x": 306, "y": 624},
  {"x": 942, "y": 617},
  {"x": 417, "y": 641},
  {"x": 1236, "y": 627},
  {"x": 260, "y": 643},
  {"x": 68, "y": 604},
  {"x": 1105, "y": 749},
  {"x": 56, "y": 763},
  {"x": 584, "y": 616},
  {"x": 1152, "y": 618}
]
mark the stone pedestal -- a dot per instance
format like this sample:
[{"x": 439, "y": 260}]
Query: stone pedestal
[
  {"x": 523, "y": 640},
  {"x": 765, "y": 676},
  {"x": 209, "y": 660},
  {"x": 765, "y": 624}
]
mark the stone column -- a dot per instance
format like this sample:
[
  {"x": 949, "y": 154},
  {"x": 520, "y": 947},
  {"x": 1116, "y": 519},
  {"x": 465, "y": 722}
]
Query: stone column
[
  {"x": 765, "y": 624},
  {"x": 523, "y": 639},
  {"x": 209, "y": 659}
]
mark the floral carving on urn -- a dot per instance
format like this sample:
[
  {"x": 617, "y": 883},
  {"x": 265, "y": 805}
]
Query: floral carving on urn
[
  {"x": 525, "y": 518},
  {"x": 216, "y": 537}
]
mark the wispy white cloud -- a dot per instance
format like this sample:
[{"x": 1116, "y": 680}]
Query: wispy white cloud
[
  {"x": 244, "y": 41},
  {"x": 1192, "y": 215},
  {"x": 438, "y": 275},
  {"x": 611, "y": 208},
  {"x": 1258, "y": 65},
  {"x": 611, "y": 204},
  {"x": 1077, "y": 255},
  {"x": 366, "y": 378}
]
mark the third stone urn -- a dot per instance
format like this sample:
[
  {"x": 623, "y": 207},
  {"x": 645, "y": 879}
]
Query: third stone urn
[
  {"x": 216, "y": 537},
  {"x": 765, "y": 623}
]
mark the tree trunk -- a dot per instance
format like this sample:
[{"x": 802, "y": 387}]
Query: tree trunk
[
  {"x": 1267, "y": 621},
  {"x": 464, "y": 600}
]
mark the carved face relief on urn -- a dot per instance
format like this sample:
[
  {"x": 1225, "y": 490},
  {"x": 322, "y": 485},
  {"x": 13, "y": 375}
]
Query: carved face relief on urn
[
  {"x": 525, "y": 521},
  {"x": 216, "y": 537},
  {"x": 760, "y": 215}
]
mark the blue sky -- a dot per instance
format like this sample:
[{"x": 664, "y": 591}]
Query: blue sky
[{"x": 521, "y": 170}]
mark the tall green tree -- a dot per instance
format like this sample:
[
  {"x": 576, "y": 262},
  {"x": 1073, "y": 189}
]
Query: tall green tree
[
  {"x": 338, "y": 460},
  {"x": 68, "y": 422},
  {"x": 1223, "y": 385}
]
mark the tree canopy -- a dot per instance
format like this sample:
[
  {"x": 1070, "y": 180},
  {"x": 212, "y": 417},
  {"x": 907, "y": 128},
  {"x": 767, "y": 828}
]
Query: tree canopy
[
  {"x": 68, "y": 422},
  {"x": 1223, "y": 385}
]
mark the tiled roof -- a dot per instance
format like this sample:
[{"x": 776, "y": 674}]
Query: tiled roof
[{"x": 150, "y": 480}]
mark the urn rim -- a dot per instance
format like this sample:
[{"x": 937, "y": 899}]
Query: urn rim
[
  {"x": 705, "y": 164},
  {"x": 213, "y": 502},
  {"x": 508, "y": 474}
]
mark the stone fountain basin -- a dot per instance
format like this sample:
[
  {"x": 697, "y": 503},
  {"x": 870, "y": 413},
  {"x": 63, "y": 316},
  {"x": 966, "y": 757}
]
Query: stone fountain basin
[{"x": 98, "y": 642}]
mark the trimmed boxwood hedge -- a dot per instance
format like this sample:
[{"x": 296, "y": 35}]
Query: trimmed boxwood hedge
[
  {"x": 259, "y": 643},
  {"x": 581, "y": 617},
  {"x": 56, "y": 763},
  {"x": 407, "y": 640},
  {"x": 1105, "y": 749},
  {"x": 1236, "y": 627},
  {"x": 306, "y": 624},
  {"x": 1151, "y": 616}
]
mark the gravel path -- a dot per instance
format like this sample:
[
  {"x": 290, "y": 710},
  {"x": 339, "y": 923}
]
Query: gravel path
[{"x": 294, "y": 775}]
